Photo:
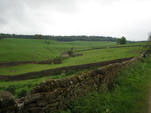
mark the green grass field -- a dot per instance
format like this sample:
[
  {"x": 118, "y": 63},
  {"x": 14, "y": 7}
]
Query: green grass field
[
  {"x": 37, "y": 50},
  {"x": 17, "y": 87},
  {"x": 14, "y": 50},
  {"x": 90, "y": 56},
  {"x": 129, "y": 94}
]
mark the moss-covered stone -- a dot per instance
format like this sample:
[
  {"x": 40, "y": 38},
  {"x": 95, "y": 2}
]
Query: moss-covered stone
[{"x": 52, "y": 95}]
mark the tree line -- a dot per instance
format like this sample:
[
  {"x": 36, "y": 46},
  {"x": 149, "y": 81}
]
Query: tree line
[
  {"x": 61, "y": 38},
  {"x": 121, "y": 40}
]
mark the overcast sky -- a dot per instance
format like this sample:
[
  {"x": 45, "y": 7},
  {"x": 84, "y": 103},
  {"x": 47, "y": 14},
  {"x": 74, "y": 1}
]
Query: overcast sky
[{"x": 129, "y": 18}]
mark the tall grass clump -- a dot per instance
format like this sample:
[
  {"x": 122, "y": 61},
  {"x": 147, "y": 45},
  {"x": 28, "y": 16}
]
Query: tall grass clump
[{"x": 129, "y": 93}]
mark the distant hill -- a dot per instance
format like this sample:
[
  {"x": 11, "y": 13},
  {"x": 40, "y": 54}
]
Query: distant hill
[{"x": 61, "y": 38}]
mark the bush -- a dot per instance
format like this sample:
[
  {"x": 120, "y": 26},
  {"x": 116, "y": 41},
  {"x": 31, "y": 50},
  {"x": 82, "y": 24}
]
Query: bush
[
  {"x": 22, "y": 93},
  {"x": 121, "y": 41},
  {"x": 57, "y": 60},
  {"x": 11, "y": 89}
]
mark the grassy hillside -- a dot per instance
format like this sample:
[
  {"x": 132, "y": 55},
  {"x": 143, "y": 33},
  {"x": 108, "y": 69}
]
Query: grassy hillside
[
  {"x": 36, "y": 50},
  {"x": 128, "y": 95},
  {"x": 20, "y": 88},
  {"x": 12, "y": 50},
  {"x": 90, "y": 56}
]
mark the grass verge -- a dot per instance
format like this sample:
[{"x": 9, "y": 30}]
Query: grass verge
[
  {"x": 22, "y": 87},
  {"x": 129, "y": 93}
]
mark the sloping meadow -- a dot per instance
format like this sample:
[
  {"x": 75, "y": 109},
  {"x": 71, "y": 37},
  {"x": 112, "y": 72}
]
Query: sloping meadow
[{"x": 53, "y": 95}]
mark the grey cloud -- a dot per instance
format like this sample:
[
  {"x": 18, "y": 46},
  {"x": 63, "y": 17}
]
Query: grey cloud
[
  {"x": 10, "y": 10},
  {"x": 58, "y": 5},
  {"x": 31, "y": 16},
  {"x": 2, "y": 21},
  {"x": 25, "y": 11}
]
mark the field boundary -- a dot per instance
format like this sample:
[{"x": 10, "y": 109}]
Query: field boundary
[
  {"x": 113, "y": 47},
  {"x": 51, "y": 72},
  {"x": 54, "y": 61},
  {"x": 53, "y": 95}
]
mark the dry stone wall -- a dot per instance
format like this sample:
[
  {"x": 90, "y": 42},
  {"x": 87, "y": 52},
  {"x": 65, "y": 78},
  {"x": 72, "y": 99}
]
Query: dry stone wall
[
  {"x": 52, "y": 95},
  {"x": 60, "y": 70}
]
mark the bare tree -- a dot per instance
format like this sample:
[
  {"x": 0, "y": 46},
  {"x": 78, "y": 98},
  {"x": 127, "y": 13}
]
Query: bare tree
[
  {"x": 149, "y": 40},
  {"x": 149, "y": 37}
]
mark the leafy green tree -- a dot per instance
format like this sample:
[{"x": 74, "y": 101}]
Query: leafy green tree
[
  {"x": 121, "y": 40},
  {"x": 62, "y": 38},
  {"x": 38, "y": 36},
  {"x": 118, "y": 40},
  {"x": 1, "y": 37}
]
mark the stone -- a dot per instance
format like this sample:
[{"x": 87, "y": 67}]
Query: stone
[
  {"x": 52, "y": 95},
  {"x": 7, "y": 102}
]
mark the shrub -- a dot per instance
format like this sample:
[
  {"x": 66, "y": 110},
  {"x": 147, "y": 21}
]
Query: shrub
[
  {"x": 11, "y": 89},
  {"x": 122, "y": 40},
  {"x": 57, "y": 60},
  {"x": 22, "y": 93}
]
